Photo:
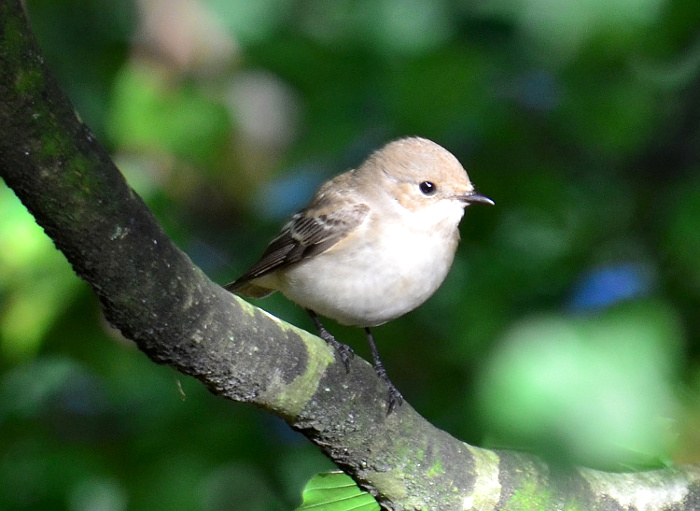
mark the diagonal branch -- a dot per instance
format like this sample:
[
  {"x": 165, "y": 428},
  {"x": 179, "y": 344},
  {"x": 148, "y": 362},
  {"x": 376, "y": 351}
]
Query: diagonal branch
[{"x": 154, "y": 294}]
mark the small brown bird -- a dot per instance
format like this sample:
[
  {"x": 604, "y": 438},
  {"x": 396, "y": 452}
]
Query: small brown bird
[{"x": 373, "y": 244}]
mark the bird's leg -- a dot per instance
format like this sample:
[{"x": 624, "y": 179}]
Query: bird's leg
[
  {"x": 395, "y": 398},
  {"x": 343, "y": 350}
]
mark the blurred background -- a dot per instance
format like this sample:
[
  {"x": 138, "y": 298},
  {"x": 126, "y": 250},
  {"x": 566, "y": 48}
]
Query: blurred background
[{"x": 569, "y": 325}]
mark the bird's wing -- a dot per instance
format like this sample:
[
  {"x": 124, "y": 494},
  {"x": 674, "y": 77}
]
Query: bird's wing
[{"x": 305, "y": 235}]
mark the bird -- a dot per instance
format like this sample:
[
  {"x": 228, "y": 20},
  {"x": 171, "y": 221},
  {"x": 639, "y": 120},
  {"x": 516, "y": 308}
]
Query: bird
[{"x": 374, "y": 243}]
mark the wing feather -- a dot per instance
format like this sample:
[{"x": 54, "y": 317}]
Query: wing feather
[{"x": 305, "y": 235}]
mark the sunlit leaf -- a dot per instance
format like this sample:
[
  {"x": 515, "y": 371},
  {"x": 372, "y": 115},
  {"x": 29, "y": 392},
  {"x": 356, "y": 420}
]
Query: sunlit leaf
[{"x": 335, "y": 491}]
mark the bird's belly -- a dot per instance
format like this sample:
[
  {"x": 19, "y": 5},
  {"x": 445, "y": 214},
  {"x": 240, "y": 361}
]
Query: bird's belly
[{"x": 372, "y": 283}]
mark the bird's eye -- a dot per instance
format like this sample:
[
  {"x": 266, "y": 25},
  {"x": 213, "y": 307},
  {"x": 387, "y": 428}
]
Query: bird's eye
[{"x": 427, "y": 187}]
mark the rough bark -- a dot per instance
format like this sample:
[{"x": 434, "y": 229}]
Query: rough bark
[{"x": 153, "y": 293}]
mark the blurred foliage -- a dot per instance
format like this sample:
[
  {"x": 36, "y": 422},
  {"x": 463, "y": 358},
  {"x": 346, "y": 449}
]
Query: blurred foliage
[{"x": 568, "y": 326}]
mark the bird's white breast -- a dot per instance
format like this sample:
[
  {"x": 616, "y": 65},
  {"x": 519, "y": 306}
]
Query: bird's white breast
[{"x": 382, "y": 270}]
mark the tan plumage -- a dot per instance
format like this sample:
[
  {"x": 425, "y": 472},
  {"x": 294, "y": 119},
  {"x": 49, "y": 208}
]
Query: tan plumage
[{"x": 374, "y": 242}]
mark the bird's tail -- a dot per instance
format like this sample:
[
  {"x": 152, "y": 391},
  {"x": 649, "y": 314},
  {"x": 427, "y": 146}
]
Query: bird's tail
[{"x": 248, "y": 289}]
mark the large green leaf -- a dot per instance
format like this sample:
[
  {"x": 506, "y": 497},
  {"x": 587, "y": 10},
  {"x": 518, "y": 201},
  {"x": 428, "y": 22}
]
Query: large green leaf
[{"x": 336, "y": 491}]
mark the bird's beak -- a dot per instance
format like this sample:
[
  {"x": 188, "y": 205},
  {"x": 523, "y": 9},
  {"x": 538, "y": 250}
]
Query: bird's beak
[{"x": 473, "y": 197}]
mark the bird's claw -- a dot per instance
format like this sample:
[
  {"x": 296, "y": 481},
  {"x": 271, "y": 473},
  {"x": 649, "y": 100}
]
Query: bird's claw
[
  {"x": 394, "y": 398},
  {"x": 346, "y": 353}
]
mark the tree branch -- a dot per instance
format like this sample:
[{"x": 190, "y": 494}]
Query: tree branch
[{"x": 155, "y": 295}]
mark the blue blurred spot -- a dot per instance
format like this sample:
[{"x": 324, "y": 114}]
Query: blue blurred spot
[
  {"x": 539, "y": 91},
  {"x": 283, "y": 197},
  {"x": 605, "y": 286}
]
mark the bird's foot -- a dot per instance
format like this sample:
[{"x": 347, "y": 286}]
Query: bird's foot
[
  {"x": 346, "y": 353},
  {"x": 394, "y": 397}
]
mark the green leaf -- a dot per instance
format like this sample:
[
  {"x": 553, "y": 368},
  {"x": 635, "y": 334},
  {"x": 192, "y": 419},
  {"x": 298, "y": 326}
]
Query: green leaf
[{"x": 335, "y": 491}]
